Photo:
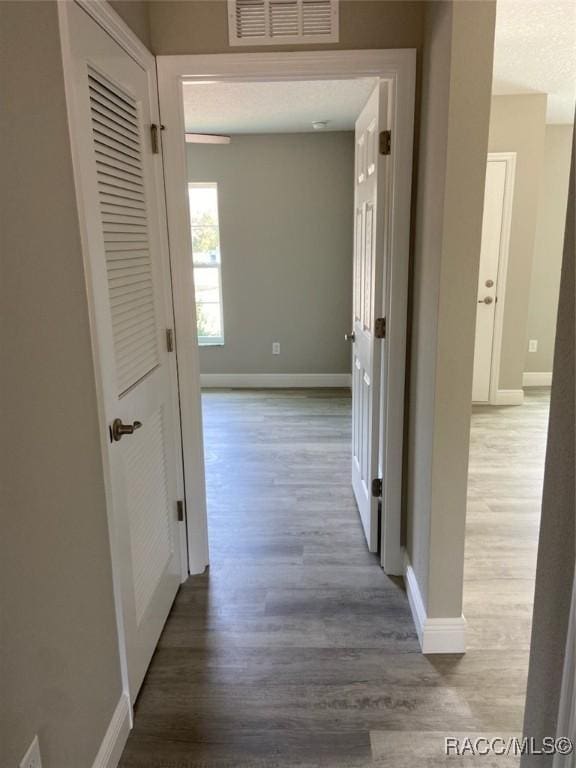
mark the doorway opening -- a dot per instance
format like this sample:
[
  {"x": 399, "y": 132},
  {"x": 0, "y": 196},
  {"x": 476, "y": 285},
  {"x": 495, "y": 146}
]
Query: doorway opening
[
  {"x": 294, "y": 233},
  {"x": 282, "y": 189},
  {"x": 520, "y": 263}
]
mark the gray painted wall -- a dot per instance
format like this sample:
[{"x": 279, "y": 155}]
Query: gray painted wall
[
  {"x": 286, "y": 223},
  {"x": 517, "y": 124},
  {"x": 135, "y": 14},
  {"x": 60, "y": 674},
  {"x": 556, "y": 556},
  {"x": 198, "y": 26},
  {"x": 549, "y": 241}
]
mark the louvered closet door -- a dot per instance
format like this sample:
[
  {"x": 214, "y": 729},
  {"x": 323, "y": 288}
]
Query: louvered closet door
[
  {"x": 130, "y": 294},
  {"x": 370, "y": 258}
]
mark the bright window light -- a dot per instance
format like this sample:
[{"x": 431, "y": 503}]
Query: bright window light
[{"x": 203, "y": 198}]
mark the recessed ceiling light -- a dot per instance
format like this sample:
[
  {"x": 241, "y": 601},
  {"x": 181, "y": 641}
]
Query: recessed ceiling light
[{"x": 319, "y": 125}]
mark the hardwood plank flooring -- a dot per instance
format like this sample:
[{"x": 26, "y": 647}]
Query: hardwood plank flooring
[{"x": 294, "y": 649}]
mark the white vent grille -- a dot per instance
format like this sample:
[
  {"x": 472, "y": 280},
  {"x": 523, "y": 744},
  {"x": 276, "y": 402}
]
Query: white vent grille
[
  {"x": 284, "y": 18},
  {"x": 316, "y": 18},
  {"x": 274, "y": 22},
  {"x": 124, "y": 219}
]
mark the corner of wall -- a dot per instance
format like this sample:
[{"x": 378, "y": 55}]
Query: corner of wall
[{"x": 458, "y": 55}]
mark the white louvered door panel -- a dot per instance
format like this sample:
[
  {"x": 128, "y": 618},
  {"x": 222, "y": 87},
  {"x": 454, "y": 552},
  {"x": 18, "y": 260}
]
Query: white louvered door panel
[
  {"x": 369, "y": 270},
  {"x": 121, "y": 186},
  {"x": 129, "y": 290}
]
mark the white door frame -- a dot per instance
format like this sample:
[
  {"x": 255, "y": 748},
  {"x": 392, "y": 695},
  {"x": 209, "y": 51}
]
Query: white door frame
[
  {"x": 110, "y": 22},
  {"x": 510, "y": 159},
  {"x": 397, "y": 66}
]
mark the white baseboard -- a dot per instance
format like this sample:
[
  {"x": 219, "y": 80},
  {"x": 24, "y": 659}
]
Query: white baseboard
[
  {"x": 509, "y": 397},
  {"x": 274, "y": 380},
  {"x": 435, "y": 635},
  {"x": 537, "y": 379},
  {"x": 115, "y": 737}
]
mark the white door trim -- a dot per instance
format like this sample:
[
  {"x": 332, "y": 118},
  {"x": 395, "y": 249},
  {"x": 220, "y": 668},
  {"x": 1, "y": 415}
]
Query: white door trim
[
  {"x": 399, "y": 67},
  {"x": 495, "y": 396},
  {"x": 103, "y": 13},
  {"x": 111, "y": 23}
]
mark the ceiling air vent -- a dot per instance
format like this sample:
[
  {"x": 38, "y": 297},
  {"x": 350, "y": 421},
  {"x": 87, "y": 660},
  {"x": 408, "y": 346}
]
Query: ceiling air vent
[{"x": 282, "y": 22}]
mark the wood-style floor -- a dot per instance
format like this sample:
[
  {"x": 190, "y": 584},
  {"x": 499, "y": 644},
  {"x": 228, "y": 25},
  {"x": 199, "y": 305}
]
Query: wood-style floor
[{"x": 295, "y": 650}]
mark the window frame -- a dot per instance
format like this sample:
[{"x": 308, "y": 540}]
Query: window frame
[{"x": 209, "y": 341}]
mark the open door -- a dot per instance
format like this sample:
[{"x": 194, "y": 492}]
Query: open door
[
  {"x": 118, "y": 172},
  {"x": 370, "y": 244}
]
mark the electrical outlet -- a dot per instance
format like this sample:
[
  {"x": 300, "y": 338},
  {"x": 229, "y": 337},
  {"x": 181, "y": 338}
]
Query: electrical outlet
[
  {"x": 533, "y": 345},
  {"x": 32, "y": 757},
  {"x": 275, "y": 347}
]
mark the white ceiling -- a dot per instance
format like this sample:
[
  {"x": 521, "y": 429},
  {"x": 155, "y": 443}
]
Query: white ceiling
[
  {"x": 535, "y": 51},
  {"x": 279, "y": 107}
]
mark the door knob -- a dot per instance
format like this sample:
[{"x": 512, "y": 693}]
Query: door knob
[
  {"x": 118, "y": 429},
  {"x": 350, "y": 337},
  {"x": 486, "y": 300}
]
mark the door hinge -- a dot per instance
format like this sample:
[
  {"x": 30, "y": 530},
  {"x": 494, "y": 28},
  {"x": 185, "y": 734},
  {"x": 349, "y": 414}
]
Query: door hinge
[
  {"x": 180, "y": 511},
  {"x": 380, "y": 328},
  {"x": 385, "y": 142},
  {"x": 169, "y": 339},
  {"x": 377, "y": 487},
  {"x": 154, "y": 139}
]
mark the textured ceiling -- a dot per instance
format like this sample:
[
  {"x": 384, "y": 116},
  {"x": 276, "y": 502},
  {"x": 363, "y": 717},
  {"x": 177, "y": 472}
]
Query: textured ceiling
[
  {"x": 535, "y": 51},
  {"x": 279, "y": 107}
]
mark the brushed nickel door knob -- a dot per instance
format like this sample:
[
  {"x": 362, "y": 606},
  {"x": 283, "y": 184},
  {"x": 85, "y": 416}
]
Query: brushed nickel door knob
[
  {"x": 119, "y": 429},
  {"x": 486, "y": 300},
  {"x": 350, "y": 337}
]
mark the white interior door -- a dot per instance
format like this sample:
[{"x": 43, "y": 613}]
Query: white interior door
[
  {"x": 113, "y": 107},
  {"x": 492, "y": 223},
  {"x": 369, "y": 271}
]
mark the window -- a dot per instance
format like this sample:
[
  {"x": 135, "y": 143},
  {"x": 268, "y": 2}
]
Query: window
[{"x": 203, "y": 198}]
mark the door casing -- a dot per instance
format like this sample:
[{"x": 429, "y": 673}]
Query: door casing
[{"x": 398, "y": 67}]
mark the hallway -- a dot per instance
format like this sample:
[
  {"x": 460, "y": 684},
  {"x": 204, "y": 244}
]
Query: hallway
[{"x": 294, "y": 649}]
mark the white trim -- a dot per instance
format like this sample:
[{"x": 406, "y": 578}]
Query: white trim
[
  {"x": 274, "y": 380},
  {"x": 441, "y": 635},
  {"x": 444, "y": 636},
  {"x": 397, "y": 66},
  {"x": 510, "y": 159},
  {"x": 115, "y": 737},
  {"x": 395, "y": 310},
  {"x": 103, "y": 13},
  {"x": 537, "y": 379},
  {"x": 508, "y": 397}
]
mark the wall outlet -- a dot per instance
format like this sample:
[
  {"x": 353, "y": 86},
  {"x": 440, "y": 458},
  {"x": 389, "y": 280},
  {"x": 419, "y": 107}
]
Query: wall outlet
[
  {"x": 533, "y": 345},
  {"x": 32, "y": 757},
  {"x": 275, "y": 347}
]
